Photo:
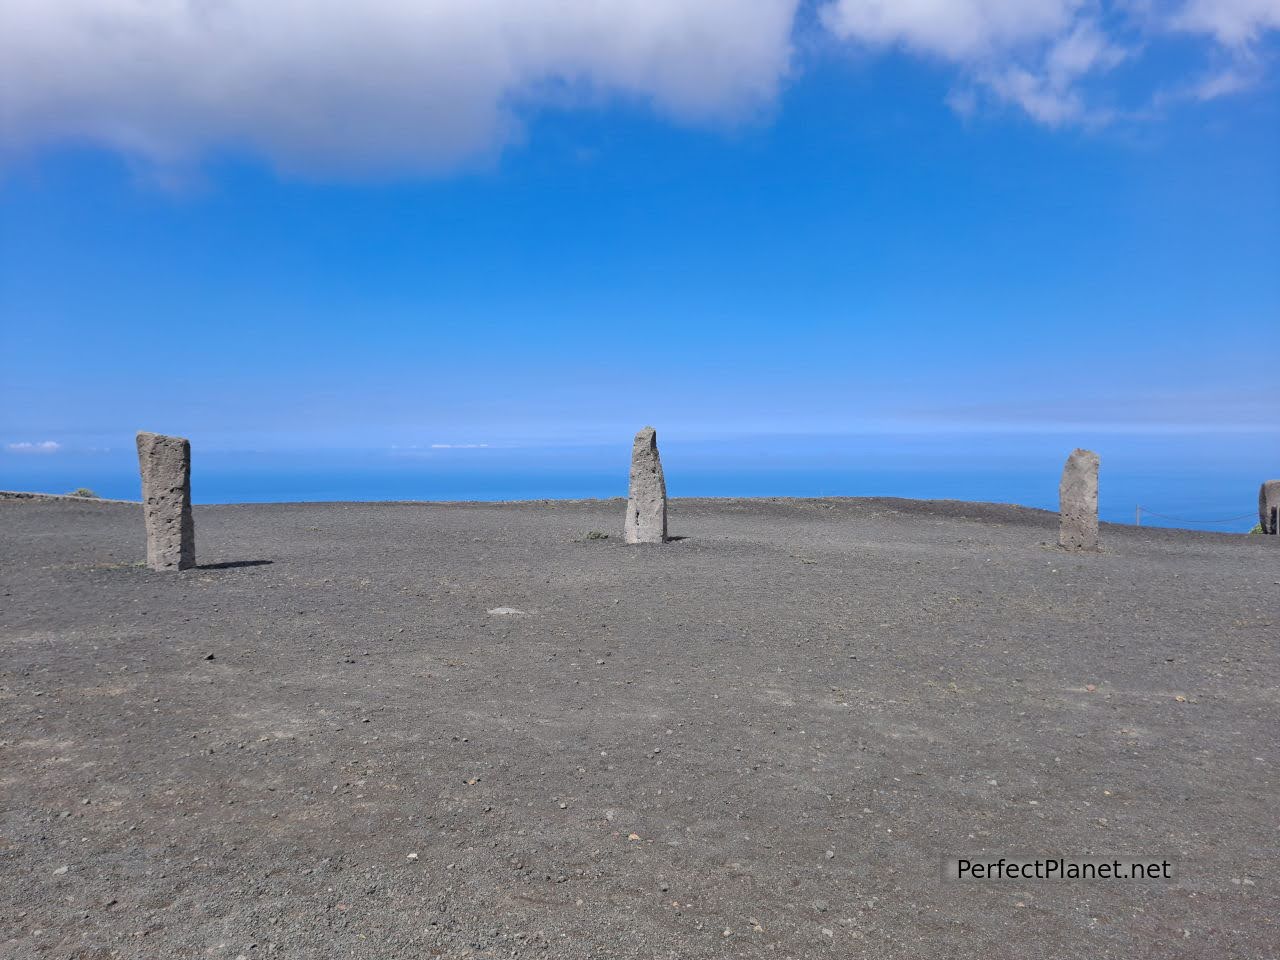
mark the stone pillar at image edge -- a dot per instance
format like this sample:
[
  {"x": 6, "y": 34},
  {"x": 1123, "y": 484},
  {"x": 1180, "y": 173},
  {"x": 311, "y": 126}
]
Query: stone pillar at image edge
[
  {"x": 1078, "y": 502},
  {"x": 165, "y": 464},
  {"x": 647, "y": 497},
  {"x": 1269, "y": 507}
]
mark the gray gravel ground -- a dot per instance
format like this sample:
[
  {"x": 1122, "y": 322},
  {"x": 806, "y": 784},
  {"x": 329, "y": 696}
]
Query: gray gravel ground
[{"x": 759, "y": 741}]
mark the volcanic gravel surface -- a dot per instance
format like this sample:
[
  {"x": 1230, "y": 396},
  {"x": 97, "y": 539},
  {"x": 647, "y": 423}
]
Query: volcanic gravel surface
[{"x": 405, "y": 730}]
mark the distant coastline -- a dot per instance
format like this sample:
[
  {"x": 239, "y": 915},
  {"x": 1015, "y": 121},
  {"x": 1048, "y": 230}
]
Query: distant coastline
[
  {"x": 1210, "y": 479},
  {"x": 34, "y": 495},
  {"x": 950, "y": 503}
]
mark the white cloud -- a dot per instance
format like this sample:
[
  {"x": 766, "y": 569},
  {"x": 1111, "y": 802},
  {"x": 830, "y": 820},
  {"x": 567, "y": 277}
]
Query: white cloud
[
  {"x": 44, "y": 446},
  {"x": 1051, "y": 94},
  {"x": 1239, "y": 27},
  {"x": 340, "y": 86},
  {"x": 1032, "y": 53},
  {"x": 1223, "y": 83},
  {"x": 1042, "y": 55},
  {"x": 960, "y": 30},
  {"x": 371, "y": 85},
  {"x": 1235, "y": 23}
]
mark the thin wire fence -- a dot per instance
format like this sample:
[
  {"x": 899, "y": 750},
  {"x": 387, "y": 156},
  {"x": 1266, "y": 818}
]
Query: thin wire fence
[{"x": 1142, "y": 511}]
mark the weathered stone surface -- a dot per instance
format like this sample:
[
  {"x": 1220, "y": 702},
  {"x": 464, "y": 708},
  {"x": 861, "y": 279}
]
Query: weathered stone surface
[
  {"x": 1269, "y": 507},
  {"x": 647, "y": 498},
  {"x": 165, "y": 464},
  {"x": 1078, "y": 502}
]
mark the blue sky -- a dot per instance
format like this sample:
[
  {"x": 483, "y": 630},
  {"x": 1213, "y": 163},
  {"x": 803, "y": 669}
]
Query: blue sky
[{"x": 971, "y": 216}]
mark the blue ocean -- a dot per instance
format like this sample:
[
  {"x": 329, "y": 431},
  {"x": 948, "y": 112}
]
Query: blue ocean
[{"x": 1197, "y": 481}]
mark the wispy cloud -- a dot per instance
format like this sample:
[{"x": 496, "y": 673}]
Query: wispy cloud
[
  {"x": 421, "y": 451},
  {"x": 1033, "y": 54},
  {"x": 1235, "y": 23},
  {"x": 1049, "y": 57},
  {"x": 41, "y": 447},
  {"x": 1050, "y": 93},
  {"x": 1223, "y": 83},
  {"x": 402, "y": 447}
]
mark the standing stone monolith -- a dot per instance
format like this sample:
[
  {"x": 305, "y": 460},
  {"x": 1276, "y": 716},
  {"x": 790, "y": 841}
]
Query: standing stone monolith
[
  {"x": 1078, "y": 502},
  {"x": 1269, "y": 507},
  {"x": 165, "y": 464},
  {"x": 647, "y": 497}
]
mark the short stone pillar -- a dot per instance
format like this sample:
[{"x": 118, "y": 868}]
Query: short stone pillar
[
  {"x": 647, "y": 497},
  {"x": 165, "y": 464},
  {"x": 1078, "y": 502},
  {"x": 1269, "y": 507}
]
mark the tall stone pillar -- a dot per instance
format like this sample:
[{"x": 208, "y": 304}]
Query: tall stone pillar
[
  {"x": 1078, "y": 502},
  {"x": 647, "y": 497},
  {"x": 1269, "y": 507},
  {"x": 165, "y": 464}
]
